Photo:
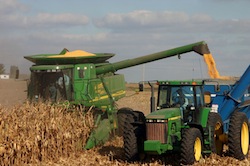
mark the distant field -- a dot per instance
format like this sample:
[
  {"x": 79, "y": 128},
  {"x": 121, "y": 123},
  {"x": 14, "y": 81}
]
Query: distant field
[{"x": 12, "y": 92}]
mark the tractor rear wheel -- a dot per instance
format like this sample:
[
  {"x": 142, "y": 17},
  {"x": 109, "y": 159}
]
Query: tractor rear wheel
[
  {"x": 238, "y": 135},
  {"x": 216, "y": 128},
  {"x": 134, "y": 137},
  {"x": 121, "y": 116},
  {"x": 191, "y": 146}
]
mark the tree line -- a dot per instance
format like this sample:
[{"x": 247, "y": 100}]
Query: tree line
[
  {"x": 14, "y": 71},
  {"x": 2, "y": 69}
]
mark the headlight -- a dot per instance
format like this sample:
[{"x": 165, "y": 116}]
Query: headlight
[{"x": 156, "y": 120}]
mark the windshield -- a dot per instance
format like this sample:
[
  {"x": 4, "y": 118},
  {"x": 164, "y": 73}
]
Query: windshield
[
  {"x": 51, "y": 85},
  {"x": 179, "y": 96}
]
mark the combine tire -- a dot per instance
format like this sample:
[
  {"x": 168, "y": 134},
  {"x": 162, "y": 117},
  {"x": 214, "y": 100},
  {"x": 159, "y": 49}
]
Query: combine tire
[
  {"x": 216, "y": 129},
  {"x": 121, "y": 116},
  {"x": 191, "y": 146},
  {"x": 130, "y": 140},
  {"x": 140, "y": 131},
  {"x": 238, "y": 136},
  {"x": 134, "y": 136},
  {"x": 140, "y": 117}
]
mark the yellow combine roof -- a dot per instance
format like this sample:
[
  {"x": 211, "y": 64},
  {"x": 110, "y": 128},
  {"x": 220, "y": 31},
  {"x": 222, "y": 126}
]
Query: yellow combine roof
[{"x": 76, "y": 53}]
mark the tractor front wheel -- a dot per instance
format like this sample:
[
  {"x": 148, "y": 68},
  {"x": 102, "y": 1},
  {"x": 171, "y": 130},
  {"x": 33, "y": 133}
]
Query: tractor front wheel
[
  {"x": 238, "y": 135},
  {"x": 191, "y": 146}
]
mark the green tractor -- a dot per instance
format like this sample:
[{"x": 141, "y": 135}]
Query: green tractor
[{"x": 180, "y": 121}]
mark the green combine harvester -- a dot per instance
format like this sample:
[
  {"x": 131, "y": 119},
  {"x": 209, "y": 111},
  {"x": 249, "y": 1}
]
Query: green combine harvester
[{"x": 88, "y": 79}]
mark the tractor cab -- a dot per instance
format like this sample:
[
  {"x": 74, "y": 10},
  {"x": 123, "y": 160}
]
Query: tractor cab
[{"x": 185, "y": 95}]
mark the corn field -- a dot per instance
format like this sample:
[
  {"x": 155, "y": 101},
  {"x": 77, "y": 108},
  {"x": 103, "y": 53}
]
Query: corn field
[
  {"x": 35, "y": 133},
  {"x": 43, "y": 134}
]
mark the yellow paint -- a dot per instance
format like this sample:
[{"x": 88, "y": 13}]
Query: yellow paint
[
  {"x": 244, "y": 138},
  {"x": 99, "y": 89},
  {"x": 207, "y": 97},
  {"x": 175, "y": 118},
  {"x": 122, "y": 92},
  {"x": 197, "y": 149},
  {"x": 76, "y": 53},
  {"x": 212, "y": 70}
]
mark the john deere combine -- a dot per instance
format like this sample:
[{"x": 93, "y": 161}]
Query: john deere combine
[{"x": 88, "y": 79}]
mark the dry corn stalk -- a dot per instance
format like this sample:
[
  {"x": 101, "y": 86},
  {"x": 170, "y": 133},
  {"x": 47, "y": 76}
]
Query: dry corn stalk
[{"x": 33, "y": 133}]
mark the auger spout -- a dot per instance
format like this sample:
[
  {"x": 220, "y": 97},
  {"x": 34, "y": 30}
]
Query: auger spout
[{"x": 199, "y": 47}]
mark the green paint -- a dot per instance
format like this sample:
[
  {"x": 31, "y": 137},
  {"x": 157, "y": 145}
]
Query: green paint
[
  {"x": 99, "y": 135},
  {"x": 155, "y": 147},
  {"x": 204, "y": 116}
]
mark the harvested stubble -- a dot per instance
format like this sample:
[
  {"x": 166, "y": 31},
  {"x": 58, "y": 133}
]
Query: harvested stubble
[{"x": 35, "y": 133}]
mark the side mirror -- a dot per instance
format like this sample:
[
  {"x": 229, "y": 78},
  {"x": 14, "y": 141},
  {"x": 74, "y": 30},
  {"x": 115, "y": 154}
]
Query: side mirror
[
  {"x": 141, "y": 87},
  {"x": 217, "y": 88}
]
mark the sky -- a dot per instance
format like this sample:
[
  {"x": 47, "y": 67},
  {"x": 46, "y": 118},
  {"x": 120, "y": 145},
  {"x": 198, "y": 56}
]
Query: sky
[{"x": 129, "y": 29}]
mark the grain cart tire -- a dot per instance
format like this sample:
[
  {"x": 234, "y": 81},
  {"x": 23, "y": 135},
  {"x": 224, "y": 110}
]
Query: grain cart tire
[
  {"x": 121, "y": 116},
  {"x": 238, "y": 136},
  {"x": 191, "y": 146},
  {"x": 134, "y": 136},
  {"x": 216, "y": 129}
]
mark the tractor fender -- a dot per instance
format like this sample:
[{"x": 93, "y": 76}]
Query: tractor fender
[
  {"x": 198, "y": 126},
  {"x": 204, "y": 116}
]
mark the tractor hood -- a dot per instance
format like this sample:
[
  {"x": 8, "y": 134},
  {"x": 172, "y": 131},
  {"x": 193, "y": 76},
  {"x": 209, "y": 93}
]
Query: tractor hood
[{"x": 164, "y": 114}]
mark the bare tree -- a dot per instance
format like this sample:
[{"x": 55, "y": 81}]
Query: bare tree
[{"x": 2, "y": 69}]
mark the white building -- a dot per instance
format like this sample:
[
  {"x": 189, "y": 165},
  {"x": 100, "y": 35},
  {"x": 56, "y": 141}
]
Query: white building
[{"x": 4, "y": 76}]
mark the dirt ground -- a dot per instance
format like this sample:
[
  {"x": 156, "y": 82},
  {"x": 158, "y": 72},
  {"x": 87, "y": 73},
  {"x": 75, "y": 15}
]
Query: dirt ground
[{"x": 12, "y": 92}]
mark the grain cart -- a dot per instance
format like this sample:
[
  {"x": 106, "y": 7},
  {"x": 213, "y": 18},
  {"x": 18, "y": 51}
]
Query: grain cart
[
  {"x": 88, "y": 79},
  {"x": 192, "y": 117},
  {"x": 231, "y": 100}
]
